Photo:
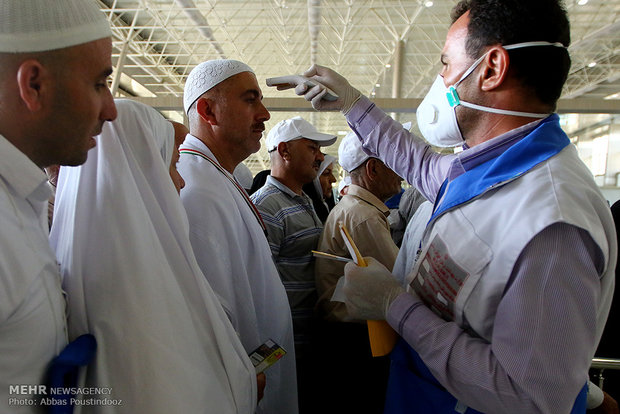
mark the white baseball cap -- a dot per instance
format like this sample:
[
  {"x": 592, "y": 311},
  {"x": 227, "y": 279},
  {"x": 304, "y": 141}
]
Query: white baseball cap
[
  {"x": 350, "y": 152},
  {"x": 296, "y": 128},
  {"x": 209, "y": 74},
  {"x": 42, "y": 25}
]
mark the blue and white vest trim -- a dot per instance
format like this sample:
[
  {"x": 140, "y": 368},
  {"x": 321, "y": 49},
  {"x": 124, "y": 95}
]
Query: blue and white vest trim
[{"x": 495, "y": 209}]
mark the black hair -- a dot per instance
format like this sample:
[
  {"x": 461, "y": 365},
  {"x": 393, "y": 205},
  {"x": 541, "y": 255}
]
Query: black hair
[{"x": 543, "y": 69}]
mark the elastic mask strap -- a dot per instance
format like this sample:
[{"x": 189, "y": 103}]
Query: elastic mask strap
[
  {"x": 502, "y": 111},
  {"x": 453, "y": 96},
  {"x": 533, "y": 44},
  {"x": 507, "y": 47}
]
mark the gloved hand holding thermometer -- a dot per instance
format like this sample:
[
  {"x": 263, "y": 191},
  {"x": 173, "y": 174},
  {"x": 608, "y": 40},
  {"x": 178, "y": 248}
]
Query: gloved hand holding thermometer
[{"x": 331, "y": 91}]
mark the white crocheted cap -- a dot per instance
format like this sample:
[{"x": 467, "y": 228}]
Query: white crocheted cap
[
  {"x": 41, "y": 25},
  {"x": 208, "y": 74}
]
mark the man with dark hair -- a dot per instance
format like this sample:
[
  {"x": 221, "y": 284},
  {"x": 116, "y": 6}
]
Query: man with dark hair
[
  {"x": 492, "y": 23},
  {"x": 514, "y": 277},
  {"x": 293, "y": 231},
  {"x": 55, "y": 58}
]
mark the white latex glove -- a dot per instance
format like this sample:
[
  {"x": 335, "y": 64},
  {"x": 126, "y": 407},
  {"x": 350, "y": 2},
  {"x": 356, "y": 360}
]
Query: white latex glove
[
  {"x": 369, "y": 290},
  {"x": 347, "y": 94}
]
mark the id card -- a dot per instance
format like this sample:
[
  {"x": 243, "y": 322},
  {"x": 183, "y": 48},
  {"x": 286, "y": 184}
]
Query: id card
[{"x": 266, "y": 355}]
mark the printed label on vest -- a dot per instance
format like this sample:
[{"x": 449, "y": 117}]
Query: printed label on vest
[{"x": 439, "y": 279}]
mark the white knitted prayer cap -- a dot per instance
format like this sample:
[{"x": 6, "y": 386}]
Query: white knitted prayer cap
[
  {"x": 208, "y": 74},
  {"x": 41, "y": 25}
]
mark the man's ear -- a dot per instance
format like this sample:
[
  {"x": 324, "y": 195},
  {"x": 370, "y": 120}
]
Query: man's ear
[
  {"x": 205, "y": 107},
  {"x": 284, "y": 151},
  {"x": 372, "y": 166},
  {"x": 495, "y": 68},
  {"x": 33, "y": 81}
]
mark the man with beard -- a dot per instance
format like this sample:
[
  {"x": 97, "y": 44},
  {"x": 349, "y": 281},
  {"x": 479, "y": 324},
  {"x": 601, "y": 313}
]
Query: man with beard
[{"x": 514, "y": 278}]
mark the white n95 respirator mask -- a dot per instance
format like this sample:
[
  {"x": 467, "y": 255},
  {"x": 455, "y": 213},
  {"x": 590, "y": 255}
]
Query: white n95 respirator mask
[{"x": 436, "y": 115}]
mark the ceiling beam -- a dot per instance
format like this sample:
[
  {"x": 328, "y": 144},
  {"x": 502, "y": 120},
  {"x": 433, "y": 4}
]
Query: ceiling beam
[{"x": 296, "y": 104}]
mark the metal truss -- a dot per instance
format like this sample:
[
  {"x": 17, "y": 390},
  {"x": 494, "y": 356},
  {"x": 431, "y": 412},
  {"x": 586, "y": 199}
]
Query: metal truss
[{"x": 388, "y": 49}]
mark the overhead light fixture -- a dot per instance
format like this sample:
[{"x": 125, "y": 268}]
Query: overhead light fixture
[
  {"x": 613, "y": 96},
  {"x": 372, "y": 93},
  {"x": 377, "y": 85},
  {"x": 430, "y": 3},
  {"x": 387, "y": 65},
  {"x": 582, "y": 2},
  {"x": 591, "y": 64}
]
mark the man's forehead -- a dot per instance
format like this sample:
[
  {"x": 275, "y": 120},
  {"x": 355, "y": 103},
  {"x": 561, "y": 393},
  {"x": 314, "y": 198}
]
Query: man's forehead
[
  {"x": 309, "y": 141},
  {"x": 302, "y": 141},
  {"x": 94, "y": 58},
  {"x": 459, "y": 27},
  {"x": 241, "y": 82},
  {"x": 457, "y": 36}
]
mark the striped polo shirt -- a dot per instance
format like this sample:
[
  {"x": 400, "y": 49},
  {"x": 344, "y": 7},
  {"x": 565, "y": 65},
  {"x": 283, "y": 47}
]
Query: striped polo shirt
[{"x": 293, "y": 230}]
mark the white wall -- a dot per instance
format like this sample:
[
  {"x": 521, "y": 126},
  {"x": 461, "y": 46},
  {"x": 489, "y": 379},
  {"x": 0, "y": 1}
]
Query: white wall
[{"x": 612, "y": 194}]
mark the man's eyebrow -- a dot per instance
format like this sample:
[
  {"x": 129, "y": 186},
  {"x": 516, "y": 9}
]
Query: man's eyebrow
[
  {"x": 254, "y": 92},
  {"x": 106, "y": 72}
]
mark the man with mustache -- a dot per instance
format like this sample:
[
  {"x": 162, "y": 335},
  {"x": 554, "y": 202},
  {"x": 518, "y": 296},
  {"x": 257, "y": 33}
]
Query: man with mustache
[
  {"x": 293, "y": 229},
  {"x": 223, "y": 102}
]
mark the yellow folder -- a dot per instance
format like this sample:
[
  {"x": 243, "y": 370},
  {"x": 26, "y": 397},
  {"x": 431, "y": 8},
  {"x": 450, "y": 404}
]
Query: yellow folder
[{"x": 381, "y": 335}]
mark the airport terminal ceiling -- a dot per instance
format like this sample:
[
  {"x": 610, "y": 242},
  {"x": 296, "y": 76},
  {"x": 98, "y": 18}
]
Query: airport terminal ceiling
[{"x": 388, "y": 49}]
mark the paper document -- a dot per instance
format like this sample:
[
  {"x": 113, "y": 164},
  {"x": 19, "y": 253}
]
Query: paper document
[{"x": 338, "y": 295}]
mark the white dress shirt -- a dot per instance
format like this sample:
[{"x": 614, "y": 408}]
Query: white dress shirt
[{"x": 32, "y": 308}]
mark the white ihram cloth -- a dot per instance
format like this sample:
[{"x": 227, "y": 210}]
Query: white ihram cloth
[
  {"x": 234, "y": 253},
  {"x": 165, "y": 344}
]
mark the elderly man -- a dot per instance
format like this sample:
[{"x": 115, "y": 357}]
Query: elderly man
[
  {"x": 345, "y": 340},
  {"x": 514, "y": 279},
  {"x": 293, "y": 228},
  {"x": 54, "y": 63},
  {"x": 364, "y": 213},
  {"x": 223, "y": 102}
]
